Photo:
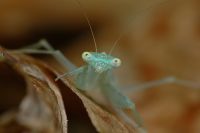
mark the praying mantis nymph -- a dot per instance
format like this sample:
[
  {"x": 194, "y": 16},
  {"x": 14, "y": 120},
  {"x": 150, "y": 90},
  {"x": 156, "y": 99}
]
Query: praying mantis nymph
[{"x": 97, "y": 73}]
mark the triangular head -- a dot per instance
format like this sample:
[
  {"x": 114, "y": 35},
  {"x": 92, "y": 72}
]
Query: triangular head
[{"x": 101, "y": 62}]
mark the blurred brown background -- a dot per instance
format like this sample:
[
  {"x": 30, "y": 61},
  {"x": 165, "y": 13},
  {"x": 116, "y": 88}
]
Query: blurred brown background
[{"x": 162, "y": 39}]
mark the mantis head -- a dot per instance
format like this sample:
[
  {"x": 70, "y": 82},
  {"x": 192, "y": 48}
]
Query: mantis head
[{"x": 101, "y": 62}]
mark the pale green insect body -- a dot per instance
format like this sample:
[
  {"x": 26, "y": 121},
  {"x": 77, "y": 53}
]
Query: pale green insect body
[
  {"x": 98, "y": 69},
  {"x": 98, "y": 74}
]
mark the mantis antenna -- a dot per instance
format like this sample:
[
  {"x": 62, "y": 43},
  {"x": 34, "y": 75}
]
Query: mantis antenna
[
  {"x": 138, "y": 14},
  {"x": 88, "y": 21},
  {"x": 115, "y": 43}
]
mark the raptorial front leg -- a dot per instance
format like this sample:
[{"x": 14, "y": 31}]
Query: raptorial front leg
[
  {"x": 35, "y": 49},
  {"x": 123, "y": 107},
  {"x": 167, "y": 80}
]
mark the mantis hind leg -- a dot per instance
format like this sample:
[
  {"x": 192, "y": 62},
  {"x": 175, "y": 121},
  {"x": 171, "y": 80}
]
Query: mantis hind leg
[
  {"x": 124, "y": 107},
  {"x": 167, "y": 80},
  {"x": 41, "y": 44},
  {"x": 36, "y": 49}
]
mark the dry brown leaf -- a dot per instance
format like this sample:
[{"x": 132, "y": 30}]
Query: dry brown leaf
[
  {"x": 36, "y": 77},
  {"x": 104, "y": 121},
  {"x": 42, "y": 109}
]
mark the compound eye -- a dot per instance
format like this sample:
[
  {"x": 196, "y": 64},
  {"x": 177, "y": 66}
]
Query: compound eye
[
  {"x": 86, "y": 55},
  {"x": 116, "y": 62}
]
